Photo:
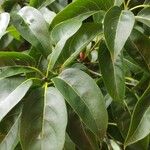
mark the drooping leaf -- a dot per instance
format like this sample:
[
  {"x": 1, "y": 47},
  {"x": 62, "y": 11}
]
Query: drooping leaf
[
  {"x": 33, "y": 28},
  {"x": 144, "y": 16},
  {"x": 113, "y": 73},
  {"x": 84, "y": 96},
  {"x": 60, "y": 34},
  {"x": 44, "y": 120},
  {"x": 82, "y": 9},
  {"x": 79, "y": 41},
  {"x": 138, "y": 47},
  {"x": 21, "y": 57},
  {"x": 11, "y": 93},
  {"x": 40, "y": 3},
  {"x": 139, "y": 125},
  {"x": 4, "y": 21},
  {"x": 115, "y": 22}
]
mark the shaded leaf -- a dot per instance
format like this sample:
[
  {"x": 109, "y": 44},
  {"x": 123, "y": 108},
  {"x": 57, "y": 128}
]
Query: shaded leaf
[
  {"x": 12, "y": 138},
  {"x": 139, "y": 125},
  {"x": 82, "y": 137},
  {"x": 113, "y": 73},
  {"x": 79, "y": 41},
  {"x": 138, "y": 47}
]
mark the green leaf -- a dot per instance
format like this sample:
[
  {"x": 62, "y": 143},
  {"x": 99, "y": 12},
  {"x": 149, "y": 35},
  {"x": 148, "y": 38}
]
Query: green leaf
[
  {"x": 44, "y": 120},
  {"x": 12, "y": 137},
  {"x": 139, "y": 125},
  {"x": 21, "y": 57},
  {"x": 112, "y": 73},
  {"x": 47, "y": 14},
  {"x": 10, "y": 95},
  {"x": 60, "y": 34},
  {"x": 144, "y": 16},
  {"x": 69, "y": 145},
  {"x": 79, "y": 41},
  {"x": 6, "y": 72},
  {"x": 115, "y": 22},
  {"x": 118, "y": 2},
  {"x": 138, "y": 48},
  {"x": 81, "y": 9},
  {"x": 4, "y": 21},
  {"x": 40, "y": 3},
  {"x": 33, "y": 28},
  {"x": 79, "y": 134},
  {"x": 84, "y": 96}
]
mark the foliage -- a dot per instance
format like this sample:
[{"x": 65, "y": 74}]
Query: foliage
[{"x": 74, "y": 75}]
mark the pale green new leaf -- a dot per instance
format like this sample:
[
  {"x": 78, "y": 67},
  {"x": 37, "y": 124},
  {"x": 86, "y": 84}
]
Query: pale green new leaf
[
  {"x": 144, "y": 16},
  {"x": 117, "y": 21},
  {"x": 44, "y": 120},
  {"x": 85, "y": 97},
  {"x": 4, "y": 21},
  {"x": 11, "y": 94}
]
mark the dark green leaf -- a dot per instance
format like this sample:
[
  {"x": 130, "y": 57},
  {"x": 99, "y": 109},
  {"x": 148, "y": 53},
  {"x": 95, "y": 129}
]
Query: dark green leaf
[
  {"x": 138, "y": 47},
  {"x": 113, "y": 73},
  {"x": 84, "y": 96},
  {"x": 82, "y": 9},
  {"x": 6, "y": 72},
  {"x": 44, "y": 120},
  {"x": 12, "y": 137},
  {"x": 115, "y": 22},
  {"x": 139, "y": 125},
  {"x": 10, "y": 94},
  {"x": 80, "y": 40},
  {"x": 78, "y": 133},
  {"x": 18, "y": 57},
  {"x": 60, "y": 35},
  {"x": 33, "y": 28}
]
